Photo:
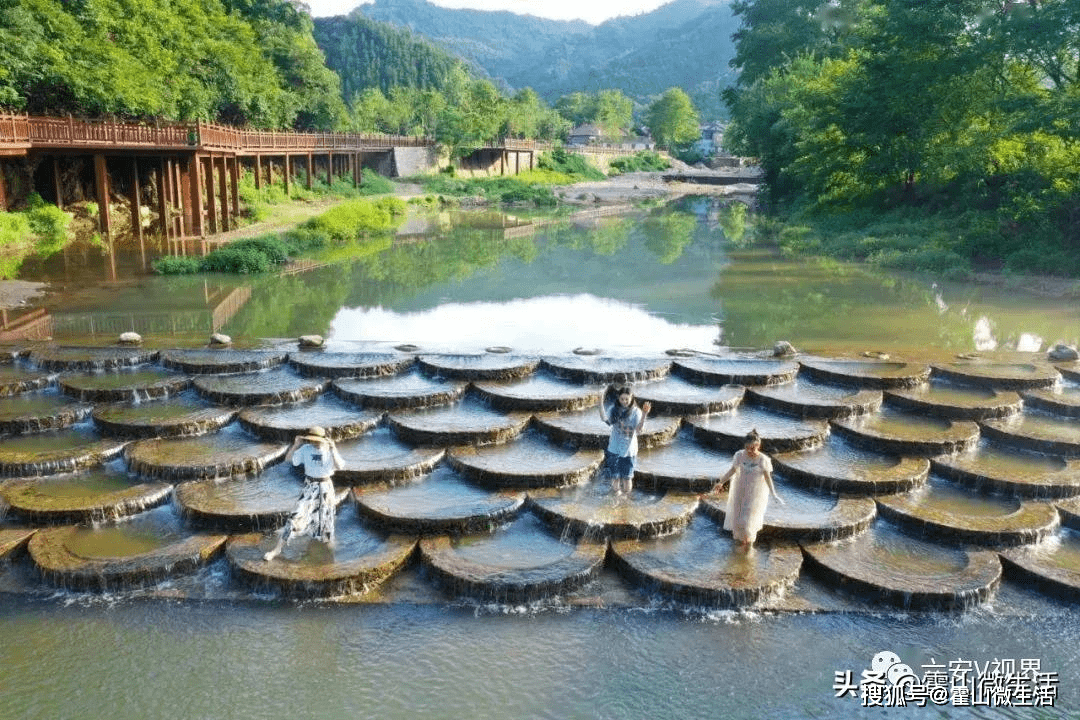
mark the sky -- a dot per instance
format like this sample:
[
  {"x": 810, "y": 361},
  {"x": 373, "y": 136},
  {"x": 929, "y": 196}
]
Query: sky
[{"x": 594, "y": 11}]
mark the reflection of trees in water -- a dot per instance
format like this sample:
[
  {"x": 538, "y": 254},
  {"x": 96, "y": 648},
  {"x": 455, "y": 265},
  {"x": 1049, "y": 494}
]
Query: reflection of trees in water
[
  {"x": 764, "y": 299},
  {"x": 293, "y": 305},
  {"x": 667, "y": 233},
  {"x": 375, "y": 272}
]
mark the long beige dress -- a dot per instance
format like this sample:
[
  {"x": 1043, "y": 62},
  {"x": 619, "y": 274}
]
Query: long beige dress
[{"x": 748, "y": 496}]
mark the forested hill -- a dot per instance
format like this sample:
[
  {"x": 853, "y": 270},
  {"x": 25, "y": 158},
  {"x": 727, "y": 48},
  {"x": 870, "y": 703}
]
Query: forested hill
[
  {"x": 686, "y": 43},
  {"x": 489, "y": 39},
  {"x": 244, "y": 62},
  {"x": 368, "y": 54}
]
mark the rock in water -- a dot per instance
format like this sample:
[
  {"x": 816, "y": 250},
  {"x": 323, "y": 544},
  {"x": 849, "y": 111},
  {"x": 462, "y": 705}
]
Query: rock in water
[
  {"x": 311, "y": 341},
  {"x": 1063, "y": 353},
  {"x": 130, "y": 338},
  {"x": 783, "y": 349},
  {"x": 220, "y": 339}
]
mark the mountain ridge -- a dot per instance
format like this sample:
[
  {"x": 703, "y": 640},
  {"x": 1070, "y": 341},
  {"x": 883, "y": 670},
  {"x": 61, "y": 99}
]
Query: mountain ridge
[{"x": 684, "y": 42}]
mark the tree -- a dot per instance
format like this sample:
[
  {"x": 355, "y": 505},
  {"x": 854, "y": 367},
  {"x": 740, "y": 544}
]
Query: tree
[{"x": 672, "y": 119}]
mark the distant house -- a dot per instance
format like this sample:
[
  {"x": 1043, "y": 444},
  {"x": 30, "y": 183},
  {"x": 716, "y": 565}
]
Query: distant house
[
  {"x": 711, "y": 139},
  {"x": 584, "y": 135},
  {"x": 638, "y": 142}
]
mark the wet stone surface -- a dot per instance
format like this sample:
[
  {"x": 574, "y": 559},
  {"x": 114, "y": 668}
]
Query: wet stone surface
[
  {"x": 94, "y": 495},
  {"x": 1070, "y": 370},
  {"x": 440, "y": 503},
  {"x": 466, "y": 423},
  {"x": 517, "y": 563},
  {"x": 223, "y": 454},
  {"x": 804, "y": 516},
  {"x": 282, "y": 423},
  {"x": 739, "y": 371},
  {"x": 953, "y": 514},
  {"x": 1053, "y": 566},
  {"x": 839, "y": 466},
  {"x": 956, "y": 402},
  {"x": 702, "y": 567},
  {"x": 61, "y": 451},
  {"x": 411, "y": 390},
  {"x": 1038, "y": 432},
  {"x": 807, "y": 399},
  {"x": 272, "y": 387},
  {"x": 180, "y": 416},
  {"x": 478, "y": 367},
  {"x": 778, "y": 433},
  {"x": 539, "y": 393},
  {"x": 124, "y": 385},
  {"x": 18, "y": 379},
  {"x": 246, "y": 503},
  {"x": 993, "y": 468},
  {"x": 359, "y": 560},
  {"x": 529, "y": 461},
  {"x": 199, "y": 362},
  {"x": 683, "y": 465},
  {"x": 1061, "y": 400},
  {"x": 899, "y": 433},
  {"x": 13, "y": 541},
  {"x": 350, "y": 365},
  {"x": 594, "y": 512},
  {"x": 39, "y": 412},
  {"x": 140, "y": 551},
  {"x": 874, "y": 374},
  {"x": 887, "y": 566},
  {"x": 1000, "y": 375},
  {"x": 483, "y": 540},
  {"x": 675, "y": 396},
  {"x": 379, "y": 456},
  {"x": 88, "y": 358},
  {"x": 596, "y": 368}
]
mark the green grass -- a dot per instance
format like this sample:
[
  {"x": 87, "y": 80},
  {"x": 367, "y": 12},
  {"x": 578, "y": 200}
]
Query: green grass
[
  {"x": 644, "y": 161},
  {"x": 345, "y": 227}
]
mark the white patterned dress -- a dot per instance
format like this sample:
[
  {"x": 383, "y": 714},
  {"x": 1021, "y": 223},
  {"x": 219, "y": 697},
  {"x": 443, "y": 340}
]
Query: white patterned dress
[
  {"x": 314, "y": 514},
  {"x": 748, "y": 496}
]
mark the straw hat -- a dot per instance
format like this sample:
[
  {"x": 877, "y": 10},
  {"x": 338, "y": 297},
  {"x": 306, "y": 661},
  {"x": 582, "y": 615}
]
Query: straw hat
[{"x": 315, "y": 434}]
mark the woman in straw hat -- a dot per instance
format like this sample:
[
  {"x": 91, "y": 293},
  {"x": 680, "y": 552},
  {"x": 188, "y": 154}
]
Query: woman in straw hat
[{"x": 314, "y": 514}]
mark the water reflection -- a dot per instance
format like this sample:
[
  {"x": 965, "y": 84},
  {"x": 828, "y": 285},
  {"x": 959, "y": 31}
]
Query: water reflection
[
  {"x": 655, "y": 279},
  {"x": 553, "y": 324}
]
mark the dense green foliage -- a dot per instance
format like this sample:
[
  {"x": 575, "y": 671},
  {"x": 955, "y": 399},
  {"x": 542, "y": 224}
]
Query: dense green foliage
[
  {"x": 368, "y": 54},
  {"x": 39, "y": 228},
  {"x": 948, "y": 131},
  {"x": 673, "y": 119},
  {"x": 610, "y": 110},
  {"x": 685, "y": 43},
  {"x": 235, "y": 61}
]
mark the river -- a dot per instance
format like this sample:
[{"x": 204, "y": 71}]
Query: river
[{"x": 625, "y": 285}]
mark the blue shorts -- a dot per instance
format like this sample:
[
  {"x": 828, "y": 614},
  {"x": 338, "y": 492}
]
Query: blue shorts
[{"x": 619, "y": 465}]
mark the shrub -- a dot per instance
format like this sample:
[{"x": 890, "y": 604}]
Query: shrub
[
  {"x": 230, "y": 259},
  {"x": 644, "y": 161},
  {"x": 176, "y": 265},
  {"x": 49, "y": 223},
  {"x": 561, "y": 161}
]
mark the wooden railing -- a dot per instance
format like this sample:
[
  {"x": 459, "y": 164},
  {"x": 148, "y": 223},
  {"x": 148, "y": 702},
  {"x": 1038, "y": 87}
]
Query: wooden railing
[{"x": 69, "y": 132}]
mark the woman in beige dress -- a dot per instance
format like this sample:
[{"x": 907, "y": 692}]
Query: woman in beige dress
[{"x": 748, "y": 496}]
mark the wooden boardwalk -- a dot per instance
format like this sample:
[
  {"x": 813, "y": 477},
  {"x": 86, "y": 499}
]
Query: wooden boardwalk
[{"x": 185, "y": 173}]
